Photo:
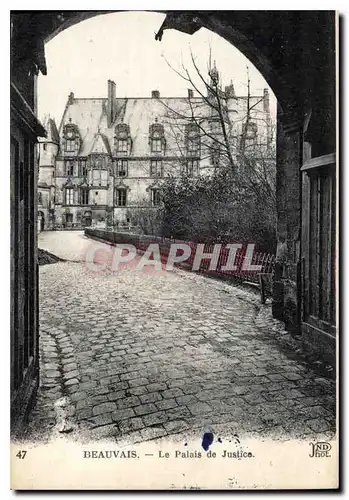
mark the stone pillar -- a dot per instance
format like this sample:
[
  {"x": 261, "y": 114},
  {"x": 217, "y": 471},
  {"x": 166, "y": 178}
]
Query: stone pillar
[{"x": 287, "y": 278}]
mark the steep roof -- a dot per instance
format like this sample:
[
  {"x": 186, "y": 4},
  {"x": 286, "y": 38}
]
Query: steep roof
[
  {"x": 51, "y": 130},
  {"x": 90, "y": 116}
]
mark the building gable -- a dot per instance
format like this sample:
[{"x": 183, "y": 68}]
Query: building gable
[{"x": 100, "y": 145}]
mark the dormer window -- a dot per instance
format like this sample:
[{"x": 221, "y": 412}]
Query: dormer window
[
  {"x": 70, "y": 145},
  {"x": 122, "y": 146},
  {"x": 122, "y": 139},
  {"x": 156, "y": 145},
  {"x": 71, "y": 138},
  {"x": 157, "y": 140}
]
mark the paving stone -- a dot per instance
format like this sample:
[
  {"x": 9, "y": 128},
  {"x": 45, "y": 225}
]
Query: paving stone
[
  {"x": 275, "y": 377},
  {"x": 139, "y": 381},
  {"x": 145, "y": 409},
  {"x": 118, "y": 386},
  {"x": 70, "y": 367},
  {"x": 104, "y": 408},
  {"x": 150, "y": 397},
  {"x": 176, "y": 426},
  {"x": 52, "y": 373},
  {"x": 128, "y": 402},
  {"x": 80, "y": 395},
  {"x": 114, "y": 396},
  {"x": 138, "y": 391},
  {"x": 71, "y": 374},
  {"x": 97, "y": 399},
  {"x": 86, "y": 386},
  {"x": 186, "y": 399},
  {"x": 155, "y": 418},
  {"x": 153, "y": 433},
  {"x": 102, "y": 419},
  {"x": 318, "y": 425},
  {"x": 166, "y": 404},
  {"x": 83, "y": 413},
  {"x": 157, "y": 386},
  {"x": 172, "y": 393},
  {"x": 176, "y": 383},
  {"x": 123, "y": 414},
  {"x": 199, "y": 408},
  {"x": 50, "y": 366},
  {"x": 132, "y": 424},
  {"x": 72, "y": 381}
]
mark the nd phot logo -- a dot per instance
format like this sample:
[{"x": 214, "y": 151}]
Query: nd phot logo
[{"x": 320, "y": 450}]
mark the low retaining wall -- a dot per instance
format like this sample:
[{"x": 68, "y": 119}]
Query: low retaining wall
[{"x": 141, "y": 242}]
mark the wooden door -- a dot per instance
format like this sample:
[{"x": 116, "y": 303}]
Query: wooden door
[{"x": 319, "y": 247}]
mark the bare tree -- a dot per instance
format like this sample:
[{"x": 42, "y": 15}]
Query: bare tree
[
  {"x": 239, "y": 198},
  {"x": 224, "y": 134}
]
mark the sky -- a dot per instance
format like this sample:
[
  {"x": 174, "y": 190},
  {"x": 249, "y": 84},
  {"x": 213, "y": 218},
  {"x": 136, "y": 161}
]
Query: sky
[{"x": 122, "y": 47}]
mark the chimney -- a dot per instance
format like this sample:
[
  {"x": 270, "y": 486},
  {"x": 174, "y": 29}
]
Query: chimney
[
  {"x": 266, "y": 104},
  {"x": 111, "y": 103},
  {"x": 71, "y": 98},
  {"x": 190, "y": 93},
  {"x": 155, "y": 94}
]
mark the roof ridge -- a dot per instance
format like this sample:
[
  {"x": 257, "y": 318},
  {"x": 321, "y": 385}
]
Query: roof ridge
[{"x": 159, "y": 99}]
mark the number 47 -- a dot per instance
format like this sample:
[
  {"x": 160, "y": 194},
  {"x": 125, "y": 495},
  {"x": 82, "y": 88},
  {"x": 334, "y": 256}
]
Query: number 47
[{"x": 21, "y": 454}]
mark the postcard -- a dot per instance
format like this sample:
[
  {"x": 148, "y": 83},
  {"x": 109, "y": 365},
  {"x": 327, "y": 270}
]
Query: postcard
[{"x": 174, "y": 250}]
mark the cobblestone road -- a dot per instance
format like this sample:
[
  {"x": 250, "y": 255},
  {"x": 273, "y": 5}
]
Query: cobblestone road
[{"x": 144, "y": 355}]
